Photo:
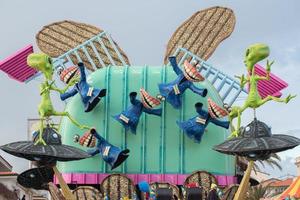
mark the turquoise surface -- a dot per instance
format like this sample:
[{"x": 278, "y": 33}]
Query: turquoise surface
[{"x": 159, "y": 146}]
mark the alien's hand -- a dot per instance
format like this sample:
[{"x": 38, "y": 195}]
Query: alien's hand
[
  {"x": 242, "y": 80},
  {"x": 269, "y": 64},
  {"x": 73, "y": 81}
]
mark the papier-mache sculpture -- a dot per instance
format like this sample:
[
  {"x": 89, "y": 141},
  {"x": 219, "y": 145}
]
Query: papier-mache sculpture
[
  {"x": 195, "y": 127},
  {"x": 111, "y": 154},
  {"x": 90, "y": 96},
  {"x": 130, "y": 117},
  {"x": 254, "y": 54},
  {"x": 42, "y": 62},
  {"x": 172, "y": 92}
]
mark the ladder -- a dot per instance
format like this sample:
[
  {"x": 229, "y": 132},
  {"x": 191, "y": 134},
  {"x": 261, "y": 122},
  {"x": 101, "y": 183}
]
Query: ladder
[
  {"x": 65, "y": 59},
  {"x": 228, "y": 88}
]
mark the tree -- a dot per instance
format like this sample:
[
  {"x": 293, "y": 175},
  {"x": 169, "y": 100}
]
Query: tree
[
  {"x": 273, "y": 161},
  {"x": 256, "y": 192}
]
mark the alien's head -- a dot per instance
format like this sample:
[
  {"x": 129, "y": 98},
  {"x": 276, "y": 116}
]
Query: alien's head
[
  {"x": 254, "y": 54},
  {"x": 41, "y": 62}
]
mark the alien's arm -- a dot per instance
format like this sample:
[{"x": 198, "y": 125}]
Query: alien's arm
[
  {"x": 61, "y": 91},
  {"x": 153, "y": 111},
  {"x": 243, "y": 80},
  {"x": 96, "y": 134},
  {"x": 224, "y": 124},
  {"x": 173, "y": 62},
  {"x": 268, "y": 72},
  {"x": 202, "y": 92},
  {"x": 68, "y": 94},
  {"x": 132, "y": 97},
  {"x": 93, "y": 152},
  {"x": 82, "y": 72},
  {"x": 199, "y": 110}
]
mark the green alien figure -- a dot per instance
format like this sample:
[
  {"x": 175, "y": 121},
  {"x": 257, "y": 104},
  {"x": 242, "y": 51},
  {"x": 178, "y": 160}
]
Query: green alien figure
[
  {"x": 42, "y": 62},
  {"x": 254, "y": 54}
]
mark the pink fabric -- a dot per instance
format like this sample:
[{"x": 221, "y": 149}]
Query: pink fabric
[
  {"x": 271, "y": 87},
  {"x": 177, "y": 179},
  {"x": 15, "y": 66}
]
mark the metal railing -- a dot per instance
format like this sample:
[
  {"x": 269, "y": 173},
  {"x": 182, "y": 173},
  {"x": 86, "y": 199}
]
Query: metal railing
[
  {"x": 228, "y": 88},
  {"x": 82, "y": 50}
]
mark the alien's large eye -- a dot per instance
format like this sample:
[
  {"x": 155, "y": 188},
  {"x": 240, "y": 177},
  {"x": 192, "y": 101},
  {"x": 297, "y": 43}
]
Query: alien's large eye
[
  {"x": 194, "y": 62},
  {"x": 247, "y": 52},
  {"x": 76, "y": 138},
  {"x": 60, "y": 69}
]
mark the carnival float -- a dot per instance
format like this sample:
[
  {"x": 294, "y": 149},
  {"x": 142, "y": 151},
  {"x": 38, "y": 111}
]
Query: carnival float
[{"x": 144, "y": 132}]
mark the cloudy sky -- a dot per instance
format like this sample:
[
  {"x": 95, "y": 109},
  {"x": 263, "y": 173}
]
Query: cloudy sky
[{"x": 142, "y": 28}]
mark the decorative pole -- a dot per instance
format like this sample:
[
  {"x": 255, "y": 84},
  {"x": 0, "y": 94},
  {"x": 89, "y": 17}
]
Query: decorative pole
[
  {"x": 63, "y": 185},
  {"x": 240, "y": 194}
]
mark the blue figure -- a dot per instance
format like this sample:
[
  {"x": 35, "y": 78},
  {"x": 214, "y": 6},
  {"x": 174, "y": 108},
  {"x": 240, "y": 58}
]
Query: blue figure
[
  {"x": 90, "y": 96},
  {"x": 173, "y": 91},
  {"x": 111, "y": 154},
  {"x": 195, "y": 127},
  {"x": 130, "y": 117},
  {"x": 145, "y": 189}
]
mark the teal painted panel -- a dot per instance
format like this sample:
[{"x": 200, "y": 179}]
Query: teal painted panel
[
  {"x": 172, "y": 133},
  {"x": 134, "y": 142},
  {"x": 159, "y": 146},
  {"x": 153, "y": 126}
]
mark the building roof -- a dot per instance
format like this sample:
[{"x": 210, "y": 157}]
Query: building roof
[
  {"x": 8, "y": 174},
  {"x": 282, "y": 183},
  {"x": 4, "y": 165}
]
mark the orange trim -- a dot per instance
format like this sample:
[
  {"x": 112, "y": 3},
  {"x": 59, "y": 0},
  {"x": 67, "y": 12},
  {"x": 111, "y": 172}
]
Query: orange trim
[{"x": 293, "y": 190}]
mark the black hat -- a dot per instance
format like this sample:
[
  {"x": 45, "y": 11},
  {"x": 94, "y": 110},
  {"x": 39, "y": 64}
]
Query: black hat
[
  {"x": 45, "y": 154},
  {"x": 36, "y": 178},
  {"x": 257, "y": 142}
]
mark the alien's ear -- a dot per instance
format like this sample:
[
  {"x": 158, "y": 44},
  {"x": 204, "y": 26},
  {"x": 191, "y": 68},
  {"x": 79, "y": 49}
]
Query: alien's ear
[
  {"x": 202, "y": 32},
  {"x": 57, "y": 38}
]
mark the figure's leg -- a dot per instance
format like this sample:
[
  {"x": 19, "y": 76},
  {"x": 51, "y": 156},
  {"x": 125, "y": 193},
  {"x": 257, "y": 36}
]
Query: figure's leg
[
  {"x": 40, "y": 139},
  {"x": 269, "y": 98},
  {"x": 235, "y": 132},
  {"x": 232, "y": 128},
  {"x": 66, "y": 114}
]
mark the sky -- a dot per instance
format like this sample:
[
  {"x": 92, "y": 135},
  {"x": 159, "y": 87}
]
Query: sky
[{"x": 142, "y": 29}]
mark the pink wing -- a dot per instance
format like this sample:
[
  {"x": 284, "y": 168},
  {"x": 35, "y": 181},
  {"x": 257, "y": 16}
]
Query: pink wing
[
  {"x": 15, "y": 66},
  {"x": 271, "y": 87}
]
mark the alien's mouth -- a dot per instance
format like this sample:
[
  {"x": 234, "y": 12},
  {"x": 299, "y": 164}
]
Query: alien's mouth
[
  {"x": 216, "y": 111},
  {"x": 88, "y": 140},
  {"x": 69, "y": 73},
  {"x": 147, "y": 100},
  {"x": 191, "y": 73}
]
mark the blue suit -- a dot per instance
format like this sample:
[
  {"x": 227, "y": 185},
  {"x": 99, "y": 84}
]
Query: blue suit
[
  {"x": 90, "y": 96},
  {"x": 195, "y": 127},
  {"x": 111, "y": 154},
  {"x": 130, "y": 117},
  {"x": 172, "y": 91}
]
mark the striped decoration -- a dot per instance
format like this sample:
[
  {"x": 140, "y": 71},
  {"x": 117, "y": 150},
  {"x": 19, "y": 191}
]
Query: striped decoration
[
  {"x": 78, "y": 42},
  {"x": 271, "y": 87},
  {"x": 15, "y": 66},
  {"x": 202, "y": 32}
]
